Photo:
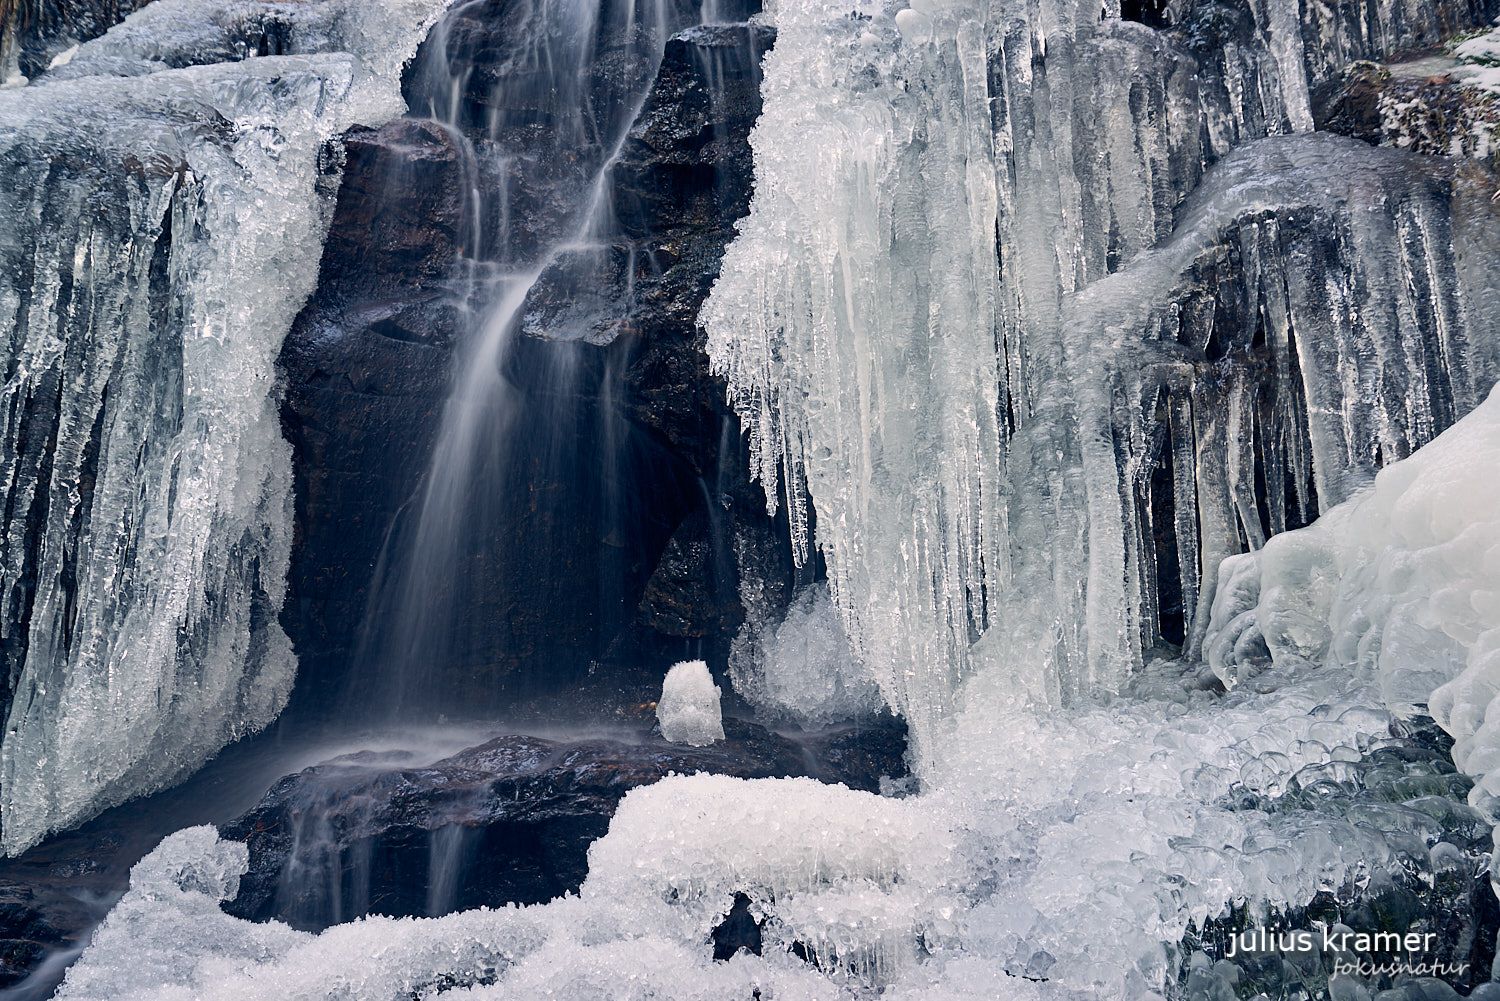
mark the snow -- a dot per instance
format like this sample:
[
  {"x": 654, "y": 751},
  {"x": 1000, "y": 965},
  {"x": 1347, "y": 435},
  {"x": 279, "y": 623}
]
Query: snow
[
  {"x": 146, "y": 553},
  {"x": 1480, "y": 61},
  {"x": 689, "y": 707},
  {"x": 1076, "y": 844}
]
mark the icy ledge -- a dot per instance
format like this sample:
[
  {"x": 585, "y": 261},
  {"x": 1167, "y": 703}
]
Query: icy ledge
[
  {"x": 164, "y": 223},
  {"x": 1400, "y": 583}
]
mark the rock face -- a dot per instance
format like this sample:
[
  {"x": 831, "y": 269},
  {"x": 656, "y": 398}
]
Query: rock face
[
  {"x": 510, "y": 820},
  {"x": 636, "y": 563},
  {"x": 367, "y": 369},
  {"x": 1424, "y": 106}
]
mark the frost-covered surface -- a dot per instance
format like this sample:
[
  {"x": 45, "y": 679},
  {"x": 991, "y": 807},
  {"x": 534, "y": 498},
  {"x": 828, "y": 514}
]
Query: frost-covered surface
[
  {"x": 688, "y": 710},
  {"x": 1073, "y": 845},
  {"x": 801, "y": 667},
  {"x": 941, "y": 322},
  {"x": 1053, "y": 853},
  {"x": 163, "y": 228},
  {"x": 1481, "y": 56},
  {"x": 969, "y": 422}
]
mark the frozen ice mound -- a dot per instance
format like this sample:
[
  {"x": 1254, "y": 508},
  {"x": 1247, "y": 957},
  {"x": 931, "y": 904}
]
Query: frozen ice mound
[
  {"x": 163, "y": 227},
  {"x": 689, "y": 706},
  {"x": 1400, "y": 584},
  {"x": 1074, "y": 846},
  {"x": 801, "y": 667}
]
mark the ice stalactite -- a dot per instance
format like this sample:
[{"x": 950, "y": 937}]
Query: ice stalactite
[
  {"x": 942, "y": 325},
  {"x": 164, "y": 228},
  {"x": 856, "y": 319},
  {"x": 1305, "y": 325}
]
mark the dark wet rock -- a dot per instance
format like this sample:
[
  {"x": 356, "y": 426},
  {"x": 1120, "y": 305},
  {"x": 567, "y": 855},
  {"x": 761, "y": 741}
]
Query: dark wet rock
[
  {"x": 684, "y": 177},
  {"x": 628, "y": 504},
  {"x": 739, "y": 930},
  {"x": 366, "y": 367},
  {"x": 510, "y": 820},
  {"x": 399, "y": 217},
  {"x": 673, "y": 601},
  {"x": 51, "y": 898}
]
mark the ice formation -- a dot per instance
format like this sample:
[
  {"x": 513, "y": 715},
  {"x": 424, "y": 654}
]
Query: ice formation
[
  {"x": 801, "y": 667},
  {"x": 1071, "y": 846},
  {"x": 1400, "y": 584},
  {"x": 946, "y": 328},
  {"x": 1058, "y": 853},
  {"x": 165, "y": 210},
  {"x": 689, "y": 706},
  {"x": 941, "y": 325}
]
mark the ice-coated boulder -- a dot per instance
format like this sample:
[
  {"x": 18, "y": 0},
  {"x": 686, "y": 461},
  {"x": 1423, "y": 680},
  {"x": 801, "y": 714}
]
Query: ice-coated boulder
[{"x": 689, "y": 706}]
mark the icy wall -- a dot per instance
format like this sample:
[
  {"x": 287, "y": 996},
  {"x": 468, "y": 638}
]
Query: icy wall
[
  {"x": 166, "y": 198},
  {"x": 1023, "y": 435}
]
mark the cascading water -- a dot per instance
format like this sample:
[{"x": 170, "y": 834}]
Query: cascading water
[{"x": 573, "y": 83}]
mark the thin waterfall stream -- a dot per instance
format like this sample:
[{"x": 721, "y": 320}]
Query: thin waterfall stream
[{"x": 416, "y": 612}]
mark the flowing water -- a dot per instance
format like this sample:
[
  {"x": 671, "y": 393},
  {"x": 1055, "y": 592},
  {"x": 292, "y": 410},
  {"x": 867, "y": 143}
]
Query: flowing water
[{"x": 573, "y": 84}]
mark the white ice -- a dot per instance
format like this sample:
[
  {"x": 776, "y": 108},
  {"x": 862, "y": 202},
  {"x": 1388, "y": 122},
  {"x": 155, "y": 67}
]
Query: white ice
[
  {"x": 689, "y": 706},
  {"x": 163, "y": 228}
]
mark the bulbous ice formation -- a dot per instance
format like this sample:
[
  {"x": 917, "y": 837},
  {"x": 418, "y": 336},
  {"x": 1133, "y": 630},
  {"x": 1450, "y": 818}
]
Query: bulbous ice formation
[
  {"x": 689, "y": 706},
  {"x": 801, "y": 668},
  {"x": 1401, "y": 583}
]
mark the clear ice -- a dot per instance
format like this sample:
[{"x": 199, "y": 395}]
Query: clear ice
[
  {"x": 960, "y": 326},
  {"x": 166, "y": 193},
  {"x": 799, "y": 667}
]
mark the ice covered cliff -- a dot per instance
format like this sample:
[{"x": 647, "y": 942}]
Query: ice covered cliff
[
  {"x": 1033, "y": 391},
  {"x": 165, "y": 194}
]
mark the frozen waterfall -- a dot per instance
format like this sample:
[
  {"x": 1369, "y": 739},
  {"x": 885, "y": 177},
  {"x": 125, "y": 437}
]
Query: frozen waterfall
[
  {"x": 166, "y": 194},
  {"x": 944, "y": 331},
  {"x": 1148, "y": 437}
]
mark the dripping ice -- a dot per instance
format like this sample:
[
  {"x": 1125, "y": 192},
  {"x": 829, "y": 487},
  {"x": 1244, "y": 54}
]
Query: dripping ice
[
  {"x": 144, "y": 338},
  {"x": 975, "y": 429}
]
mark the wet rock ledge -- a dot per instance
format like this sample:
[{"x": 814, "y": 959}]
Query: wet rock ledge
[{"x": 508, "y": 821}]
